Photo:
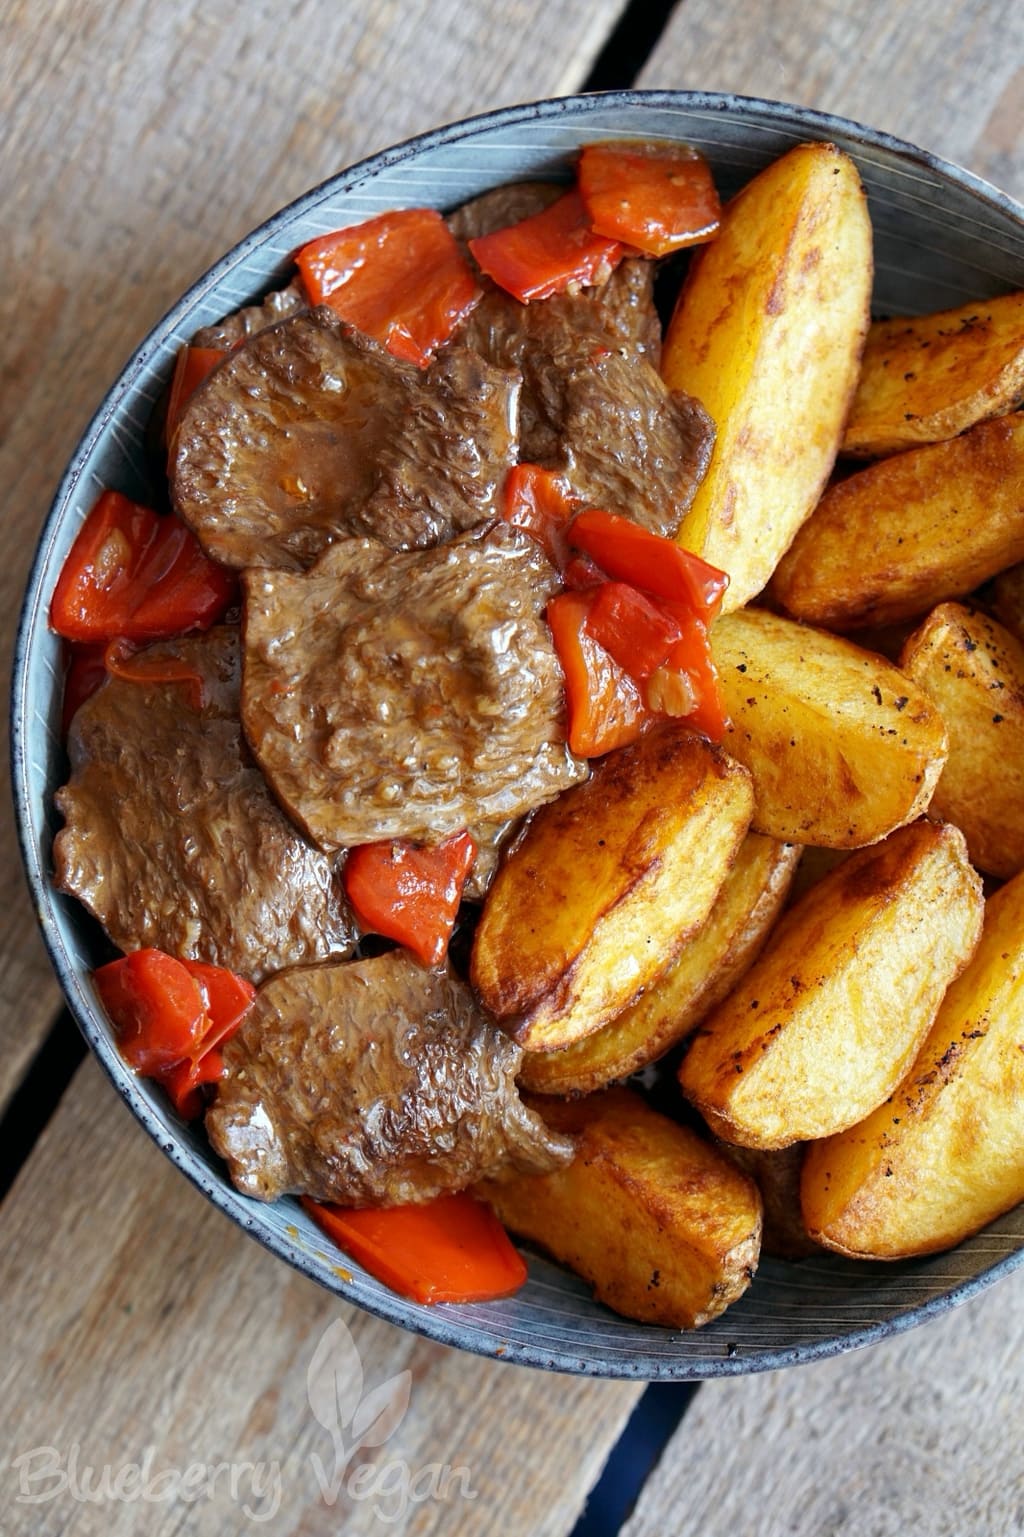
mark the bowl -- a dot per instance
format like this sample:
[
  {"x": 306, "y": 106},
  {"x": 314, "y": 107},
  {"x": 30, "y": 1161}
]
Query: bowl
[{"x": 942, "y": 237}]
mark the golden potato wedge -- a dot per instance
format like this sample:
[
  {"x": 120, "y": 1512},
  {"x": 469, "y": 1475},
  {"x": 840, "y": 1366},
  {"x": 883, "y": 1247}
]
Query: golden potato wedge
[
  {"x": 768, "y": 334},
  {"x": 829, "y": 1019},
  {"x": 776, "y": 1174},
  {"x": 706, "y": 969},
  {"x": 945, "y": 1154},
  {"x": 973, "y": 670},
  {"x": 664, "y": 1227},
  {"x": 1006, "y": 598},
  {"x": 842, "y": 747},
  {"x": 606, "y": 885},
  {"x": 929, "y": 377},
  {"x": 892, "y": 541}
]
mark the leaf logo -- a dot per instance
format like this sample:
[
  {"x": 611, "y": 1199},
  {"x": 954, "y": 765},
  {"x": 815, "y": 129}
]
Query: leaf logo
[{"x": 334, "y": 1379}]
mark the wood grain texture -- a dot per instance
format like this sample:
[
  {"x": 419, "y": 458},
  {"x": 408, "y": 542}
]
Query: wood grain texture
[
  {"x": 946, "y": 74},
  {"x": 137, "y": 1316},
  {"x": 920, "y": 1434},
  {"x": 140, "y": 141}
]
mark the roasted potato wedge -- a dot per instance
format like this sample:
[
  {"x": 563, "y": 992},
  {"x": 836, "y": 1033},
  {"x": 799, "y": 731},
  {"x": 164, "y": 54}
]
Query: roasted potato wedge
[
  {"x": 776, "y": 1174},
  {"x": 706, "y": 969},
  {"x": 930, "y": 377},
  {"x": 842, "y": 747},
  {"x": 1006, "y": 599},
  {"x": 664, "y": 1227},
  {"x": 892, "y": 541},
  {"x": 973, "y": 670},
  {"x": 945, "y": 1154},
  {"x": 828, "y": 1021},
  {"x": 768, "y": 334},
  {"x": 607, "y": 884}
]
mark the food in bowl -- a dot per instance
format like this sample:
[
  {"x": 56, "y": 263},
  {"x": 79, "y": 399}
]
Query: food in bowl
[{"x": 598, "y": 395}]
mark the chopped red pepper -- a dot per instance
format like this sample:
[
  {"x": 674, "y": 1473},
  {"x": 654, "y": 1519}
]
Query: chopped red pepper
[
  {"x": 580, "y": 572},
  {"x": 191, "y": 368},
  {"x": 410, "y": 893},
  {"x": 656, "y": 197},
  {"x": 632, "y": 628},
  {"x": 134, "y": 574},
  {"x": 659, "y": 566},
  {"x": 122, "y": 660},
  {"x": 605, "y": 707},
  {"x": 452, "y": 1249},
  {"x": 401, "y": 278},
  {"x": 84, "y": 675},
  {"x": 544, "y": 254},
  {"x": 691, "y": 656},
  {"x": 172, "y": 1017},
  {"x": 541, "y": 503}
]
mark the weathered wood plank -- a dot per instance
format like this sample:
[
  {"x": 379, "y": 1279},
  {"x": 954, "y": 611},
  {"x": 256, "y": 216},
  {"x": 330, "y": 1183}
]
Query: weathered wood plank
[
  {"x": 140, "y": 141},
  {"x": 919, "y": 1434},
  {"x": 946, "y": 74},
  {"x": 138, "y": 1316}
]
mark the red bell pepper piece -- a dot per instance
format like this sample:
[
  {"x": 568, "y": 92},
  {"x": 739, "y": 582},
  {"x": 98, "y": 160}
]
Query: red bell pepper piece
[
  {"x": 632, "y": 628},
  {"x": 122, "y": 660},
  {"x": 131, "y": 573},
  {"x": 172, "y": 1017},
  {"x": 401, "y": 278},
  {"x": 410, "y": 893},
  {"x": 540, "y": 502},
  {"x": 656, "y": 565},
  {"x": 580, "y": 572},
  {"x": 544, "y": 254},
  {"x": 452, "y": 1249},
  {"x": 157, "y": 1009},
  {"x": 656, "y": 197},
  {"x": 192, "y": 366},
  {"x": 605, "y": 707},
  {"x": 691, "y": 655},
  {"x": 84, "y": 675}
]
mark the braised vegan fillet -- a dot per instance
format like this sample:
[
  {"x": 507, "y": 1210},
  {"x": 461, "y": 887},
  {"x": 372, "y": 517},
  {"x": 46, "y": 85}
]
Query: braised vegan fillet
[
  {"x": 373, "y": 1083},
  {"x": 172, "y": 838},
  {"x": 407, "y": 695},
  {"x": 238, "y": 327},
  {"x": 312, "y": 432}
]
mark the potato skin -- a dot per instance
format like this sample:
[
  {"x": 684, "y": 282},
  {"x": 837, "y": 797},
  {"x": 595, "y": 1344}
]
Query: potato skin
[
  {"x": 828, "y": 1021},
  {"x": 926, "y": 378},
  {"x": 945, "y": 1154},
  {"x": 665, "y": 1228},
  {"x": 895, "y": 539},
  {"x": 706, "y": 969},
  {"x": 973, "y": 670},
  {"x": 842, "y": 747},
  {"x": 606, "y": 885},
  {"x": 768, "y": 334}
]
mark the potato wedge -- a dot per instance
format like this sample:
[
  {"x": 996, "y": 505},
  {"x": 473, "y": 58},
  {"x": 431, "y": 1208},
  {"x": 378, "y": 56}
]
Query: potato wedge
[
  {"x": 828, "y": 1021},
  {"x": 842, "y": 747},
  {"x": 892, "y": 541},
  {"x": 776, "y": 1174},
  {"x": 768, "y": 334},
  {"x": 607, "y": 884},
  {"x": 664, "y": 1227},
  {"x": 706, "y": 969},
  {"x": 1006, "y": 599},
  {"x": 927, "y": 378},
  {"x": 973, "y": 671},
  {"x": 945, "y": 1154}
]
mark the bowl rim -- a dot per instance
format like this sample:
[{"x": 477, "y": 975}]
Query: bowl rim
[{"x": 389, "y": 1306}]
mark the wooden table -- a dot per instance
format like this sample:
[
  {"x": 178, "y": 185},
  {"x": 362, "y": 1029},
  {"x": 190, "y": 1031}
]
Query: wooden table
[{"x": 140, "y": 140}]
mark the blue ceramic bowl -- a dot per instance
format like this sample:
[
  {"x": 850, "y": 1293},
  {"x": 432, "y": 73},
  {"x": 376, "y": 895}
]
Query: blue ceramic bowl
[{"x": 942, "y": 238}]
